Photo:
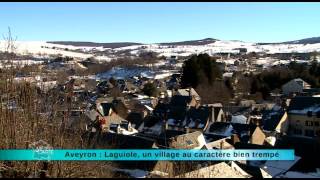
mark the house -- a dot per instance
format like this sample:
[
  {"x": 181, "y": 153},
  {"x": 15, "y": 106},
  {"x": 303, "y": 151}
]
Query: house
[
  {"x": 253, "y": 171},
  {"x": 304, "y": 116},
  {"x": 311, "y": 92},
  {"x": 110, "y": 117},
  {"x": 105, "y": 140},
  {"x": 117, "y": 141},
  {"x": 194, "y": 118},
  {"x": 104, "y": 86},
  {"x": 275, "y": 121},
  {"x": 217, "y": 114},
  {"x": 220, "y": 144},
  {"x": 136, "y": 119},
  {"x": 183, "y": 101},
  {"x": 295, "y": 86},
  {"x": 220, "y": 128},
  {"x": 275, "y": 169},
  {"x": 306, "y": 148},
  {"x": 189, "y": 92},
  {"x": 245, "y": 132},
  {"x": 219, "y": 170},
  {"x": 194, "y": 140},
  {"x": 258, "y": 137}
]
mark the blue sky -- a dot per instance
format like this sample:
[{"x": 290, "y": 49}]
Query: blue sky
[{"x": 160, "y": 22}]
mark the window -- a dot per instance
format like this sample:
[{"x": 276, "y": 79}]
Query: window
[
  {"x": 189, "y": 142},
  {"x": 316, "y": 123},
  {"x": 309, "y": 133},
  {"x": 309, "y": 113},
  {"x": 309, "y": 123},
  {"x": 297, "y": 131}
]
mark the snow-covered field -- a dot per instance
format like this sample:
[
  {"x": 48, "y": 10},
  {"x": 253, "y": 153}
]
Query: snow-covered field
[
  {"x": 224, "y": 46},
  {"x": 44, "y": 48},
  {"x": 123, "y": 73}
]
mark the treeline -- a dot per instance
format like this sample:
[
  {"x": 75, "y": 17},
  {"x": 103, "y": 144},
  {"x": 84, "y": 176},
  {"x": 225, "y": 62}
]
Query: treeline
[
  {"x": 203, "y": 74},
  {"x": 198, "y": 70},
  {"x": 274, "y": 78}
]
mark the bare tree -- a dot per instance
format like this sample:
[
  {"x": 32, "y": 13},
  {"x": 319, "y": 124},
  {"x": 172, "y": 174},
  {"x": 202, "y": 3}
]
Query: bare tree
[{"x": 10, "y": 42}]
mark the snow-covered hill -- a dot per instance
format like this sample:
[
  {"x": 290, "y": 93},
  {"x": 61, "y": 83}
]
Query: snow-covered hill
[{"x": 184, "y": 48}]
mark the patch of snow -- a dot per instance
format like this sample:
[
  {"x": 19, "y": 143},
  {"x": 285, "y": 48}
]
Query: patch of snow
[
  {"x": 271, "y": 140},
  {"x": 136, "y": 173},
  {"x": 241, "y": 119},
  {"x": 275, "y": 168},
  {"x": 313, "y": 109}
]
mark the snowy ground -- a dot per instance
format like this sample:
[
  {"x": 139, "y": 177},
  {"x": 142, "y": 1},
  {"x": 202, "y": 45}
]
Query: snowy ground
[
  {"x": 44, "y": 48},
  {"x": 124, "y": 73}
]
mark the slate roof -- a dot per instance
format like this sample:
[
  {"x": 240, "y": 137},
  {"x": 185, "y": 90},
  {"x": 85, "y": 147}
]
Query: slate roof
[
  {"x": 186, "y": 141},
  {"x": 219, "y": 127},
  {"x": 272, "y": 119},
  {"x": 302, "y": 102},
  {"x": 151, "y": 121},
  {"x": 201, "y": 113},
  {"x": 178, "y": 100},
  {"x": 242, "y": 145},
  {"x": 254, "y": 171},
  {"x": 135, "y": 118},
  {"x": 165, "y": 137},
  {"x": 105, "y": 140},
  {"x": 105, "y": 108},
  {"x": 188, "y": 92},
  {"x": 177, "y": 113},
  {"x": 216, "y": 112}
]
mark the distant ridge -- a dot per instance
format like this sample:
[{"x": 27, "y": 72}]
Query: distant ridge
[
  {"x": 191, "y": 42},
  {"x": 312, "y": 40},
  {"x": 93, "y": 44},
  {"x": 200, "y": 42},
  {"x": 124, "y": 44}
]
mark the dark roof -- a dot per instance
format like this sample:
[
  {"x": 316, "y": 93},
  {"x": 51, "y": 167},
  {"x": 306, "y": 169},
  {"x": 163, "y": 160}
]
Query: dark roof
[
  {"x": 254, "y": 171},
  {"x": 307, "y": 149},
  {"x": 171, "y": 133},
  {"x": 107, "y": 140},
  {"x": 213, "y": 137},
  {"x": 164, "y": 139},
  {"x": 151, "y": 121},
  {"x": 242, "y": 145},
  {"x": 272, "y": 119},
  {"x": 218, "y": 126},
  {"x": 312, "y": 90},
  {"x": 302, "y": 102},
  {"x": 239, "y": 128},
  {"x": 106, "y": 108},
  {"x": 185, "y": 141},
  {"x": 216, "y": 112},
  {"x": 135, "y": 118},
  {"x": 177, "y": 113},
  {"x": 161, "y": 108},
  {"x": 120, "y": 108},
  {"x": 178, "y": 100},
  {"x": 201, "y": 113},
  {"x": 236, "y": 109}
]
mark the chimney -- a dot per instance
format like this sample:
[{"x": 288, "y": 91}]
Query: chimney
[
  {"x": 118, "y": 129},
  {"x": 187, "y": 130},
  {"x": 234, "y": 139},
  {"x": 164, "y": 125},
  {"x": 221, "y": 144}
]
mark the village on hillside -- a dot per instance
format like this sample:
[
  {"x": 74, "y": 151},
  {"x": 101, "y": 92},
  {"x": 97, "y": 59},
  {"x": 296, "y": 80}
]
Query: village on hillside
[{"x": 145, "y": 107}]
